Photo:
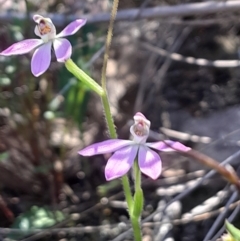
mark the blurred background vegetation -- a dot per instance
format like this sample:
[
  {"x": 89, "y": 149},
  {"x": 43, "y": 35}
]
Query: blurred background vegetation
[{"x": 44, "y": 121}]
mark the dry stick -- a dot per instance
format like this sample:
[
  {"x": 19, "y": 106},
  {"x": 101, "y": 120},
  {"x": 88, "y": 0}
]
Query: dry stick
[
  {"x": 130, "y": 14},
  {"x": 227, "y": 173},
  {"x": 201, "y": 22},
  {"x": 182, "y": 136},
  {"x": 191, "y": 60},
  {"x": 108, "y": 42}
]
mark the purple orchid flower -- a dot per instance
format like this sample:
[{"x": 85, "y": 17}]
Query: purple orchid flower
[
  {"x": 46, "y": 30},
  {"x": 125, "y": 151}
]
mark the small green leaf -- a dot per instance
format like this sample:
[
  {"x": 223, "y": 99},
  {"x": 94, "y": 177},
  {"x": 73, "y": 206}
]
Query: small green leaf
[{"x": 233, "y": 231}]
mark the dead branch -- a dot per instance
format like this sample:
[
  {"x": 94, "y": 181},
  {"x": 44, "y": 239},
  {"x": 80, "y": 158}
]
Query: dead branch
[{"x": 135, "y": 13}]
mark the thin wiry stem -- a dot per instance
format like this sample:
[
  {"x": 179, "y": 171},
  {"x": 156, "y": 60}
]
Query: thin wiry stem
[
  {"x": 109, "y": 119},
  {"x": 108, "y": 42},
  {"x": 105, "y": 101}
]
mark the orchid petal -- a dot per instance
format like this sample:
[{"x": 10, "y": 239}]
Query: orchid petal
[
  {"x": 41, "y": 59},
  {"x": 168, "y": 146},
  {"x": 72, "y": 28},
  {"x": 104, "y": 147},
  {"x": 36, "y": 31},
  {"x": 120, "y": 162},
  {"x": 149, "y": 162},
  {"x": 63, "y": 49},
  {"x": 22, "y": 47}
]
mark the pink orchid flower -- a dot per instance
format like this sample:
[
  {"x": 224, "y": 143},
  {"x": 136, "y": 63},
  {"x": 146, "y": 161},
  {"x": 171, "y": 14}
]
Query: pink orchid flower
[
  {"x": 46, "y": 30},
  {"x": 126, "y": 151}
]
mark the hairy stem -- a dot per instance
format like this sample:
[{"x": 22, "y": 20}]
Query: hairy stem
[
  {"x": 108, "y": 116},
  {"x": 108, "y": 42},
  {"x": 110, "y": 123},
  {"x": 136, "y": 229}
]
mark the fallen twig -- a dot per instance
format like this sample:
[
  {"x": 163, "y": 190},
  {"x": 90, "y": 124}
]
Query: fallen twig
[
  {"x": 191, "y": 60},
  {"x": 131, "y": 14}
]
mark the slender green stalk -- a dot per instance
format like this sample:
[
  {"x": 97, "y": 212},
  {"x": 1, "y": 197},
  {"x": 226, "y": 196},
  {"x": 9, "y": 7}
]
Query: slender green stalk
[
  {"x": 137, "y": 176},
  {"x": 113, "y": 134},
  {"x": 81, "y": 75},
  {"x": 134, "y": 206},
  {"x": 127, "y": 193},
  {"x": 108, "y": 116},
  {"x": 137, "y": 203},
  {"x": 78, "y": 73},
  {"x": 136, "y": 229},
  {"x": 108, "y": 42},
  {"x": 112, "y": 130}
]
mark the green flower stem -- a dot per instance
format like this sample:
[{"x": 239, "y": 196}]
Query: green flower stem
[
  {"x": 134, "y": 212},
  {"x": 137, "y": 175},
  {"x": 81, "y": 75},
  {"x": 136, "y": 229},
  {"x": 110, "y": 123},
  {"x": 137, "y": 203},
  {"x": 108, "y": 115},
  {"x": 127, "y": 193},
  {"x": 108, "y": 42},
  {"x": 113, "y": 134}
]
